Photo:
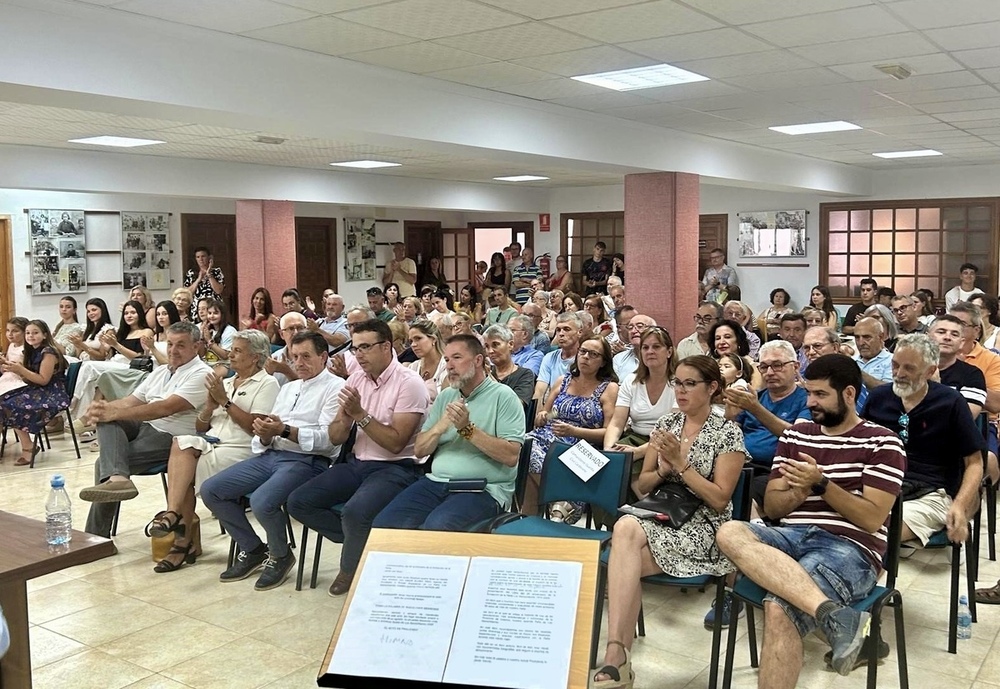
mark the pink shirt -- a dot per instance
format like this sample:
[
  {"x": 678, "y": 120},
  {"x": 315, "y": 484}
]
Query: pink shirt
[{"x": 397, "y": 391}]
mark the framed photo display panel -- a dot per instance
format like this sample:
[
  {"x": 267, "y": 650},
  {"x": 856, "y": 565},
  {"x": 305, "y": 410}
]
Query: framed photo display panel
[
  {"x": 764, "y": 234},
  {"x": 145, "y": 250},
  {"x": 58, "y": 251}
]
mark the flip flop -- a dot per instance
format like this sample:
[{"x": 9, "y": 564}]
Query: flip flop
[{"x": 990, "y": 596}]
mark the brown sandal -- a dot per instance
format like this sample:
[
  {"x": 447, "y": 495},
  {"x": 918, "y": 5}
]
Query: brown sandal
[{"x": 990, "y": 596}]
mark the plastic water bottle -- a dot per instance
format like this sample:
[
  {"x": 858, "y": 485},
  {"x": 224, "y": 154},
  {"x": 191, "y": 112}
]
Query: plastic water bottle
[
  {"x": 964, "y": 618},
  {"x": 58, "y": 513}
]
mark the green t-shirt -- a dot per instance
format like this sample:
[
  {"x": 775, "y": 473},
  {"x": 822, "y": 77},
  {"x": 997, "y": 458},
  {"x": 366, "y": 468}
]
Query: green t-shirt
[
  {"x": 495, "y": 409},
  {"x": 495, "y": 316}
]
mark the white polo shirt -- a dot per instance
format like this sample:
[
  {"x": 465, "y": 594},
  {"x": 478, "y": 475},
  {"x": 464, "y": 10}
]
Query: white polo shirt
[{"x": 188, "y": 382}]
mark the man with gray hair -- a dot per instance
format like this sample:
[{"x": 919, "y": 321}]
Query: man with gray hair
[
  {"x": 333, "y": 325},
  {"x": 557, "y": 362},
  {"x": 279, "y": 365},
  {"x": 539, "y": 340},
  {"x": 708, "y": 314},
  {"x": 873, "y": 358},
  {"x": 819, "y": 341},
  {"x": 944, "y": 449},
  {"x": 135, "y": 433},
  {"x": 522, "y": 353}
]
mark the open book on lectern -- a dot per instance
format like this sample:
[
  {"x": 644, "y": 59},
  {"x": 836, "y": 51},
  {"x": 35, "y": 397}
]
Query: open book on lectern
[{"x": 456, "y": 620}]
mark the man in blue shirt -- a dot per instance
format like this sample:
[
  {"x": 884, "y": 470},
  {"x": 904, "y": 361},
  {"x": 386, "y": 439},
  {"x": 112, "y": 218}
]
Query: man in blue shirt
[
  {"x": 873, "y": 358},
  {"x": 557, "y": 362},
  {"x": 522, "y": 353}
]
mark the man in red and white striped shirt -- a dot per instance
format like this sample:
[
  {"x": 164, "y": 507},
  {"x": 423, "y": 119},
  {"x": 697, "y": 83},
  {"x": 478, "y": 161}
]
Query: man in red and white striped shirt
[{"x": 833, "y": 484}]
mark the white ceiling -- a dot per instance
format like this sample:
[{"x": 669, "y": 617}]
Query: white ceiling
[{"x": 770, "y": 62}]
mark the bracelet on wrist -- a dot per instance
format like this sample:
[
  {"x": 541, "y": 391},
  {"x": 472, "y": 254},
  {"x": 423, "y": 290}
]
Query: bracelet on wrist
[{"x": 681, "y": 472}]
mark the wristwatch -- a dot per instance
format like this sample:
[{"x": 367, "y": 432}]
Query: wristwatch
[
  {"x": 286, "y": 431},
  {"x": 820, "y": 488},
  {"x": 466, "y": 431},
  {"x": 363, "y": 423},
  {"x": 227, "y": 405}
]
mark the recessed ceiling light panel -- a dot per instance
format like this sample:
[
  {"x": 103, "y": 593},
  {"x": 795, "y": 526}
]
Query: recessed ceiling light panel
[
  {"x": 815, "y": 127},
  {"x": 909, "y": 154},
  {"x": 116, "y": 141},
  {"x": 366, "y": 164},
  {"x": 520, "y": 178},
  {"x": 641, "y": 78}
]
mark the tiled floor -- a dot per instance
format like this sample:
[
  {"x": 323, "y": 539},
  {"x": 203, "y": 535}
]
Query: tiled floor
[{"x": 115, "y": 623}]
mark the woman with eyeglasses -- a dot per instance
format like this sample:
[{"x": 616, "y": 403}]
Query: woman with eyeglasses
[
  {"x": 561, "y": 279},
  {"x": 425, "y": 341},
  {"x": 728, "y": 337},
  {"x": 581, "y": 409},
  {"x": 704, "y": 453}
]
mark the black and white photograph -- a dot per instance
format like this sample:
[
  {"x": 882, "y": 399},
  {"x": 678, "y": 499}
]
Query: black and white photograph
[
  {"x": 160, "y": 260},
  {"x": 130, "y": 280},
  {"x": 145, "y": 249},
  {"x": 58, "y": 242},
  {"x": 360, "y": 246},
  {"x": 133, "y": 222},
  {"x": 159, "y": 242},
  {"x": 772, "y": 233},
  {"x": 135, "y": 260},
  {"x": 134, "y": 241}
]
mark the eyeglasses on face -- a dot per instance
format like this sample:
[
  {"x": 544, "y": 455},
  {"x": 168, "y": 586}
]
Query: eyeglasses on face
[
  {"x": 686, "y": 385},
  {"x": 590, "y": 353},
  {"x": 777, "y": 366},
  {"x": 293, "y": 329},
  {"x": 365, "y": 348},
  {"x": 704, "y": 319},
  {"x": 812, "y": 347}
]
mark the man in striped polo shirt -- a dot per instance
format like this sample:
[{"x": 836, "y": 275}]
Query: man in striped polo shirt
[{"x": 833, "y": 483}]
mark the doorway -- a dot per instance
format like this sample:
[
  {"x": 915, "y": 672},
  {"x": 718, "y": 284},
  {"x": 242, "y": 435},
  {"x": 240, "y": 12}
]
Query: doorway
[
  {"x": 713, "y": 233},
  {"x": 316, "y": 257},
  {"x": 6, "y": 274},
  {"x": 218, "y": 233},
  {"x": 423, "y": 240}
]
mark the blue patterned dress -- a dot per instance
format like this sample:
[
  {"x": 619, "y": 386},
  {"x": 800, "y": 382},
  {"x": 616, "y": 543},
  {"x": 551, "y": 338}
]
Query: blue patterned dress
[
  {"x": 585, "y": 412},
  {"x": 33, "y": 406}
]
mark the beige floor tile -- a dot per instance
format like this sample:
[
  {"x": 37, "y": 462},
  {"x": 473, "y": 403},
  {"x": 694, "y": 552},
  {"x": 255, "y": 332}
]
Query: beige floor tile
[
  {"x": 58, "y": 601},
  {"x": 242, "y": 664},
  {"x": 88, "y": 670},
  {"x": 307, "y": 634},
  {"x": 104, "y": 623},
  {"x": 303, "y": 677},
  {"x": 156, "y": 682},
  {"x": 250, "y": 610},
  {"x": 48, "y": 580},
  {"x": 48, "y": 647},
  {"x": 169, "y": 643}
]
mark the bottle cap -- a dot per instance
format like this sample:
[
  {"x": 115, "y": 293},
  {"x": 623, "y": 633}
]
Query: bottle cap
[{"x": 58, "y": 481}]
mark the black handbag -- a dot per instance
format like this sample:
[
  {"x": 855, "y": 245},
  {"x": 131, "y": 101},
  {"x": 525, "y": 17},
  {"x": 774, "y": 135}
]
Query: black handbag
[
  {"x": 141, "y": 363},
  {"x": 671, "y": 504}
]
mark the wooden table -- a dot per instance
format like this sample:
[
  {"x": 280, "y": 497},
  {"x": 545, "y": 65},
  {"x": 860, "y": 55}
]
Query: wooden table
[
  {"x": 494, "y": 545},
  {"x": 25, "y": 555}
]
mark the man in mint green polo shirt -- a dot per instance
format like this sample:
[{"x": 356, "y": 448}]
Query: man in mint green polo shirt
[{"x": 474, "y": 430}]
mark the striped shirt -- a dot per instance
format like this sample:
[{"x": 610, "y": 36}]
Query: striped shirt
[{"x": 866, "y": 456}]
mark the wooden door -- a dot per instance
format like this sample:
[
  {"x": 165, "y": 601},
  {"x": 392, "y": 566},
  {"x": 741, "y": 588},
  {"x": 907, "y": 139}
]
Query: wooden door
[
  {"x": 423, "y": 240},
  {"x": 713, "y": 233},
  {"x": 6, "y": 275},
  {"x": 458, "y": 257},
  {"x": 218, "y": 233},
  {"x": 315, "y": 257}
]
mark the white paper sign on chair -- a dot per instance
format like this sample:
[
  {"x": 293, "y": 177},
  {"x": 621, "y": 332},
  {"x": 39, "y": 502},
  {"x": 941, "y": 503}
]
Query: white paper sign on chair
[{"x": 583, "y": 460}]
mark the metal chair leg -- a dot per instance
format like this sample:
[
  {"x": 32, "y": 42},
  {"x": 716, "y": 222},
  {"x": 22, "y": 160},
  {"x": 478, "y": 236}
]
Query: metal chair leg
[
  {"x": 302, "y": 560},
  {"x": 319, "y": 547},
  {"x": 72, "y": 433}
]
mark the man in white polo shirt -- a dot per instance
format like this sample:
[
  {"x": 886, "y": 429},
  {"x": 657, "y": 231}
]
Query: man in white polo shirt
[{"x": 135, "y": 433}]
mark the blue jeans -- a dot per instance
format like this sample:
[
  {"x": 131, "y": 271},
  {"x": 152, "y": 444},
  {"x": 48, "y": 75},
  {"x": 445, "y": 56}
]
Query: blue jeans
[
  {"x": 839, "y": 567},
  {"x": 270, "y": 477},
  {"x": 365, "y": 486},
  {"x": 428, "y": 505}
]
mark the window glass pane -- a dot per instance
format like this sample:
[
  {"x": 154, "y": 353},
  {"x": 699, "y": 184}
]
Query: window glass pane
[
  {"x": 929, "y": 241},
  {"x": 930, "y": 218},
  {"x": 906, "y": 218},
  {"x": 952, "y": 267},
  {"x": 463, "y": 244},
  {"x": 978, "y": 242},
  {"x": 881, "y": 264},
  {"x": 860, "y": 220},
  {"x": 906, "y": 264},
  {"x": 928, "y": 265},
  {"x": 448, "y": 244},
  {"x": 882, "y": 242},
  {"x": 903, "y": 285},
  {"x": 838, "y": 220},
  {"x": 859, "y": 265},
  {"x": 838, "y": 286},
  {"x": 837, "y": 265},
  {"x": 860, "y": 242},
  {"x": 906, "y": 241},
  {"x": 979, "y": 218},
  {"x": 954, "y": 242},
  {"x": 837, "y": 242},
  {"x": 952, "y": 217},
  {"x": 882, "y": 219}
]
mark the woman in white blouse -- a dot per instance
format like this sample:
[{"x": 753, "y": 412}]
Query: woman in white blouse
[
  {"x": 88, "y": 344},
  {"x": 643, "y": 397},
  {"x": 425, "y": 341},
  {"x": 226, "y": 422}
]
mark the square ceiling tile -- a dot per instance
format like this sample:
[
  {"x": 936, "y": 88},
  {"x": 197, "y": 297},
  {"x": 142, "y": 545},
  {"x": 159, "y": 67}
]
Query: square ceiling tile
[
  {"x": 493, "y": 75},
  {"x": 329, "y": 6},
  {"x": 523, "y": 40},
  {"x": 966, "y": 37},
  {"x": 698, "y": 89},
  {"x": 747, "y": 11},
  {"x": 858, "y": 22},
  {"x": 329, "y": 35},
  {"x": 653, "y": 111},
  {"x": 959, "y": 97},
  {"x": 886, "y": 49},
  {"x": 768, "y": 62},
  {"x": 637, "y": 22},
  {"x": 933, "y": 14},
  {"x": 544, "y": 9},
  {"x": 553, "y": 88},
  {"x": 573, "y": 63},
  {"x": 697, "y": 46},
  {"x": 608, "y": 100},
  {"x": 926, "y": 82},
  {"x": 969, "y": 115},
  {"x": 991, "y": 75},
  {"x": 981, "y": 57},
  {"x": 419, "y": 57},
  {"x": 428, "y": 19},
  {"x": 918, "y": 64},
  {"x": 233, "y": 16},
  {"x": 790, "y": 79}
]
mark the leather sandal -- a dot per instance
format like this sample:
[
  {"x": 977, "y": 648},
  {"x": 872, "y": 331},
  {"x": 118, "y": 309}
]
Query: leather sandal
[
  {"x": 990, "y": 596},
  {"x": 161, "y": 525},
  {"x": 621, "y": 676},
  {"x": 166, "y": 565},
  {"x": 27, "y": 457}
]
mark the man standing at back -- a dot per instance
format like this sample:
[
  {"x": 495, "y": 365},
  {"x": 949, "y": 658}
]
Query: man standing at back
[
  {"x": 386, "y": 402},
  {"x": 523, "y": 275},
  {"x": 718, "y": 276},
  {"x": 869, "y": 288},
  {"x": 402, "y": 271},
  {"x": 596, "y": 270}
]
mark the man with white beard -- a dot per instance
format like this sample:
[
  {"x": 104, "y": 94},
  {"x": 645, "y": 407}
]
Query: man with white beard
[{"x": 944, "y": 461}]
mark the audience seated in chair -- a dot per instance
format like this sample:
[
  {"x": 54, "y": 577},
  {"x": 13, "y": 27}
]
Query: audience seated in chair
[
  {"x": 225, "y": 428},
  {"x": 820, "y": 340},
  {"x": 523, "y": 351},
  {"x": 555, "y": 364},
  {"x": 474, "y": 430},
  {"x": 386, "y": 401},
  {"x": 135, "y": 433},
  {"x": 833, "y": 484},
  {"x": 295, "y": 446},
  {"x": 498, "y": 342},
  {"x": 708, "y": 314},
  {"x": 626, "y": 362},
  {"x": 280, "y": 363}
]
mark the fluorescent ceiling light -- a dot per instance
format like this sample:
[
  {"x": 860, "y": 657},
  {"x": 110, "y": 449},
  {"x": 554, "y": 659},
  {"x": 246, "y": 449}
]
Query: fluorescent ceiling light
[
  {"x": 366, "y": 164},
  {"x": 520, "y": 178},
  {"x": 815, "y": 127},
  {"x": 117, "y": 141},
  {"x": 908, "y": 154},
  {"x": 641, "y": 78}
]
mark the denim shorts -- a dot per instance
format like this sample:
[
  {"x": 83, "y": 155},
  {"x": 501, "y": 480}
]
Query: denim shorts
[{"x": 838, "y": 566}]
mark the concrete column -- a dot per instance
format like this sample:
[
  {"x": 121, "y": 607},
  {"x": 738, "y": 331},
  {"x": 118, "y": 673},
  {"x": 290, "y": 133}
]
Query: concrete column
[
  {"x": 661, "y": 247},
  {"x": 265, "y": 250}
]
